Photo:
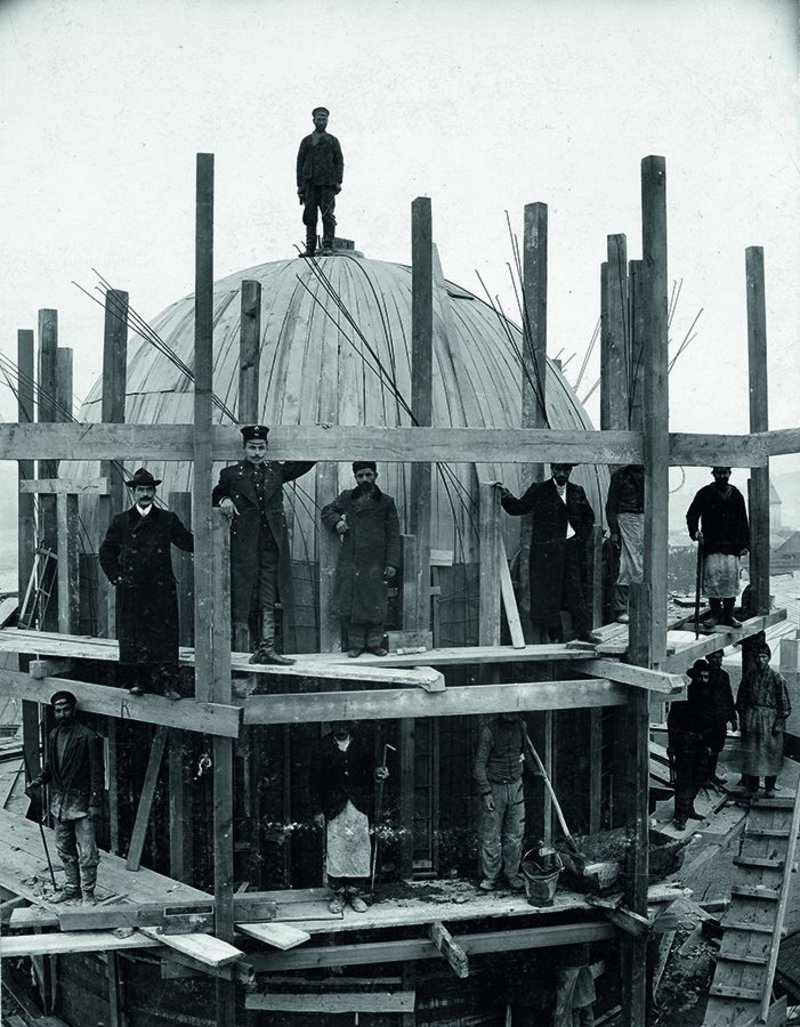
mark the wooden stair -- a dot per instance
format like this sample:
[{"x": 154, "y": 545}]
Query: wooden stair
[{"x": 741, "y": 990}]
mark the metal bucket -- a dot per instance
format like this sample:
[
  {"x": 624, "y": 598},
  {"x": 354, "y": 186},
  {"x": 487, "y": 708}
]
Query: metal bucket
[{"x": 540, "y": 884}]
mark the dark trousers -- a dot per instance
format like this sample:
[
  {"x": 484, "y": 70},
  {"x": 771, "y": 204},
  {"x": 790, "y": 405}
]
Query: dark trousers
[
  {"x": 690, "y": 772},
  {"x": 573, "y": 597},
  {"x": 322, "y": 199},
  {"x": 155, "y": 678}
]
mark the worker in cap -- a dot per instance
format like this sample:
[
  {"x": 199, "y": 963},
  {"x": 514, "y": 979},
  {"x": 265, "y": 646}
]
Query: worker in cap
[
  {"x": 562, "y": 525},
  {"x": 763, "y": 705},
  {"x": 717, "y": 521},
  {"x": 136, "y": 557},
  {"x": 73, "y": 772},
  {"x": 713, "y": 700},
  {"x": 250, "y": 495},
  {"x": 625, "y": 519},
  {"x": 365, "y": 520},
  {"x": 320, "y": 167}
]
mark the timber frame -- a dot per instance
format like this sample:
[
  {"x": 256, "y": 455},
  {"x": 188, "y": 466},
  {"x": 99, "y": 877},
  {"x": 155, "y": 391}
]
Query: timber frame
[{"x": 634, "y": 429}]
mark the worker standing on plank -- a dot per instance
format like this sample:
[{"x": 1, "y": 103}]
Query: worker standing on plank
[
  {"x": 710, "y": 692},
  {"x": 763, "y": 705},
  {"x": 501, "y": 756},
  {"x": 73, "y": 770},
  {"x": 342, "y": 776}
]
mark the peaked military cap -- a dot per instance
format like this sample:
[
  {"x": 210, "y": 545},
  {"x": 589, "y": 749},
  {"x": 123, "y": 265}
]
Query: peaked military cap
[
  {"x": 254, "y": 432},
  {"x": 364, "y": 465},
  {"x": 144, "y": 478},
  {"x": 320, "y": 110}
]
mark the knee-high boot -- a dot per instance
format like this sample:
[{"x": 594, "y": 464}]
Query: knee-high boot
[{"x": 266, "y": 651}]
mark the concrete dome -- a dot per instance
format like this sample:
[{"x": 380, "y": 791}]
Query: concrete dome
[{"x": 310, "y": 350}]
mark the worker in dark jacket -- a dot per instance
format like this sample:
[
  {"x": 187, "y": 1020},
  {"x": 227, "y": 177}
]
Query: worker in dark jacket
[
  {"x": 625, "y": 517},
  {"x": 320, "y": 167},
  {"x": 764, "y": 706},
  {"x": 73, "y": 772},
  {"x": 365, "y": 520},
  {"x": 502, "y": 753},
  {"x": 562, "y": 525},
  {"x": 717, "y": 521},
  {"x": 136, "y": 558},
  {"x": 250, "y": 495},
  {"x": 710, "y": 693},
  {"x": 688, "y": 754},
  {"x": 342, "y": 775}
]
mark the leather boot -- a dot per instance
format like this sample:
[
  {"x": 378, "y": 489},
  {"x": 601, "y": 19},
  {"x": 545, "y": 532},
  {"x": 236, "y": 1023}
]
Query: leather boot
[
  {"x": 266, "y": 651},
  {"x": 727, "y": 613}
]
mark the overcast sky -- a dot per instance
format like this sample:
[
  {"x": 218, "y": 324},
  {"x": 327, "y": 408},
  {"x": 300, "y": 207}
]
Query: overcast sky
[{"x": 483, "y": 105}]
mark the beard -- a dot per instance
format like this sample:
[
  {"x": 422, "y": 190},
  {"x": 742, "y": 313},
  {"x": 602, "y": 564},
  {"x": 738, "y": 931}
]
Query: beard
[{"x": 365, "y": 488}]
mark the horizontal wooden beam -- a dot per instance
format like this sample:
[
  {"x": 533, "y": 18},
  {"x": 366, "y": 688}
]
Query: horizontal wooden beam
[
  {"x": 65, "y": 486},
  {"x": 423, "y": 948},
  {"x": 97, "y": 441},
  {"x": 332, "y": 1002},
  {"x": 628, "y": 674},
  {"x": 684, "y": 657},
  {"x": 388, "y": 704},
  {"x": 207, "y": 718},
  {"x": 65, "y": 944}
]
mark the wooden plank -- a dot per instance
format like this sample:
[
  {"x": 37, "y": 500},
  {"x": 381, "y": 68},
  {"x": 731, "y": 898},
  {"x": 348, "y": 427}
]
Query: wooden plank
[
  {"x": 723, "y": 991},
  {"x": 115, "y": 1013},
  {"x": 47, "y": 412},
  {"x": 248, "y": 908},
  {"x": 509, "y": 600},
  {"x": 208, "y": 718},
  {"x": 347, "y": 1002},
  {"x": 614, "y": 373},
  {"x": 756, "y": 861},
  {"x": 146, "y": 799},
  {"x": 630, "y": 674},
  {"x": 746, "y": 925},
  {"x": 65, "y": 486},
  {"x": 278, "y": 935},
  {"x": 472, "y": 699},
  {"x": 68, "y": 532},
  {"x": 26, "y": 532},
  {"x": 759, "y": 422},
  {"x": 490, "y": 556},
  {"x": 205, "y": 948},
  {"x": 421, "y": 399},
  {"x": 97, "y": 441},
  {"x": 695, "y": 649},
  {"x": 249, "y": 410},
  {"x": 450, "y": 949},
  {"x": 39, "y": 669},
  {"x": 69, "y": 944},
  {"x": 757, "y": 892},
  {"x": 751, "y": 960},
  {"x": 377, "y": 953}
]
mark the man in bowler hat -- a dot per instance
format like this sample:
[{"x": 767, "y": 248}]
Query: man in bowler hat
[
  {"x": 319, "y": 179},
  {"x": 250, "y": 495},
  {"x": 136, "y": 558}
]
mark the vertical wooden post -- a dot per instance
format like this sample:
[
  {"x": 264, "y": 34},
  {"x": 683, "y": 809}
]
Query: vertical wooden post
[
  {"x": 759, "y": 421},
  {"x": 614, "y": 371},
  {"x": 26, "y": 532},
  {"x": 46, "y": 409},
  {"x": 67, "y": 524},
  {"x": 115, "y": 372},
  {"x": 181, "y": 805},
  {"x": 490, "y": 596},
  {"x": 248, "y": 409},
  {"x": 210, "y": 546},
  {"x": 421, "y": 396},
  {"x": 635, "y": 286},
  {"x": 534, "y": 372},
  {"x": 648, "y": 601}
]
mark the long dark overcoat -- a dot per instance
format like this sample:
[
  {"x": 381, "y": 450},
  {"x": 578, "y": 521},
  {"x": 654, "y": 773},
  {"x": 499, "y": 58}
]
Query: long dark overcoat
[
  {"x": 723, "y": 520},
  {"x": 550, "y": 515},
  {"x": 235, "y": 483},
  {"x": 137, "y": 550},
  {"x": 360, "y": 592}
]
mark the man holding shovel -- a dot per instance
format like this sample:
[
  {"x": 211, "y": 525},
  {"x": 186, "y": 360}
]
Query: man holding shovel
[
  {"x": 73, "y": 769},
  {"x": 342, "y": 777},
  {"x": 502, "y": 753}
]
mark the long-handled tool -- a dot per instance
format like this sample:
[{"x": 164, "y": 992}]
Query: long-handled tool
[
  {"x": 698, "y": 585},
  {"x": 378, "y": 809},
  {"x": 38, "y": 811},
  {"x": 554, "y": 798}
]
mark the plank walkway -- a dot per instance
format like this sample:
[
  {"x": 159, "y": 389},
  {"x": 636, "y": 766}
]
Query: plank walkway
[{"x": 754, "y": 920}]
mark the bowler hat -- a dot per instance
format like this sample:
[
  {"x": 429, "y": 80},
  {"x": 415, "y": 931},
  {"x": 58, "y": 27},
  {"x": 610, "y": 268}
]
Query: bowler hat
[
  {"x": 144, "y": 478},
  {"x": 254, "y": 432}
]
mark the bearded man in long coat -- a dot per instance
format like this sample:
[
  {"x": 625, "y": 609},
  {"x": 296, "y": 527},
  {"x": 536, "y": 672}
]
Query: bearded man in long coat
[
  {"x": 250, "y": 495},
  {"x": 366, "y": 522},
  {"x": 763, "y": 705},
  {"x": 562, "y": 525},
  {"x": 136, "y": 558}
]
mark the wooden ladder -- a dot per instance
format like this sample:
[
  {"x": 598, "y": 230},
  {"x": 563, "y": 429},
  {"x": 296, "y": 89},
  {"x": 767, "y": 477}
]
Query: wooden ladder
[{"x": 741, "y": 990}]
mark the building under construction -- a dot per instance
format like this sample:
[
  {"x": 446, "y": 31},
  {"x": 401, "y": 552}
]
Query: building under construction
[{"x": 213, "y": 905}]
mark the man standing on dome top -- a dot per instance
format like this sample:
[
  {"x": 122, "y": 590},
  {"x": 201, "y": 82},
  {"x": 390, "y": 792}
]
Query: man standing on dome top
[
  {"x": 250, "y": 495},
  {"x": 320, "y": 167},
  {"x": 717, "y": 521}
]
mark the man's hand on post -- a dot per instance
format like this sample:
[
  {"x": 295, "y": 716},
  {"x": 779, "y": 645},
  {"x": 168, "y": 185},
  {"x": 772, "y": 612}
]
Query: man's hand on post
[
  {"x": 341, "y": 525},
  {"x": 319, "y": 820},
  {"x": 381, "y": 773},
  {"x": 389, "y": 572},
  {"x": 228, "y": 508},
  {"x": 488, "y": 803}
]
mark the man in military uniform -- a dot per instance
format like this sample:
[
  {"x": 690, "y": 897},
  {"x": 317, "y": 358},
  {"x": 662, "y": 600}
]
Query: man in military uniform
[
  {"x": 250, "y": 494},
  {"x": 319, "y": 178}
]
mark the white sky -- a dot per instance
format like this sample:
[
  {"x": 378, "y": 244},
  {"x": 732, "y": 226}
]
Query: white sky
[{"x": 483, "y": 105}]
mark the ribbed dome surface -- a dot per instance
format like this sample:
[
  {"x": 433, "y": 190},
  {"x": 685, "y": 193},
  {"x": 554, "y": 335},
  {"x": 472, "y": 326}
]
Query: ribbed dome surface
[{"x": 316, "y": 367}]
